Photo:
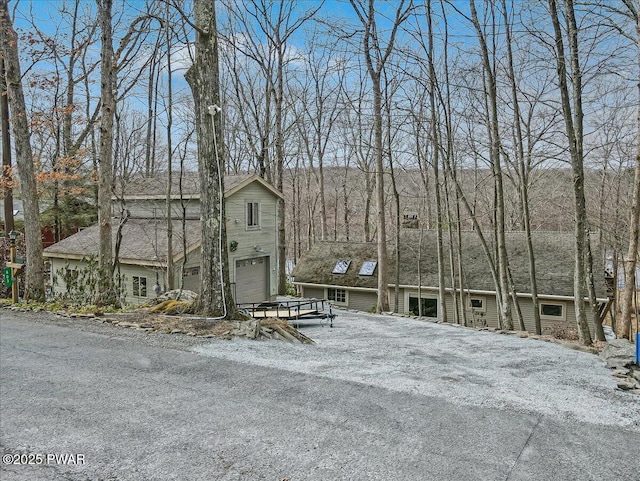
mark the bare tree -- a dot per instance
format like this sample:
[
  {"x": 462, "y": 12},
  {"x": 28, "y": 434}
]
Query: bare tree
[
  {"x": 633, "y": 10},
  {"x": 491, "y": 96},
  {"x": 106, "y": 293},
  {"x": 376, "y": 57},
  {"x": 34, "y": 277},
  {"x": 573, "y": 118}
]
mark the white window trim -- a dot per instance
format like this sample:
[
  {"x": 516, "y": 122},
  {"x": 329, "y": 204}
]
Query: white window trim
[
  {"x": 246, "y": 215},
  {"x": 477, "y": 309},
  {"x": 338, "y": 303},
  {"x": 563, "y": 317}
]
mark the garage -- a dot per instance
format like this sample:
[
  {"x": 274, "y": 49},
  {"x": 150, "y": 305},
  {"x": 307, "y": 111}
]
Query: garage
[{"x": 252, "y": 280}]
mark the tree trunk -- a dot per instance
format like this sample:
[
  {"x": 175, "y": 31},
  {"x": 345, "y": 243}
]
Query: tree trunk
[
  {"x": 435, "y": 140},
  {"x": 215, "y": 297},
  {"x": 34, "y": 274},
  {"x": 629, "y": 292},
  {"x": 105, "y": 294},
  {"x": 573, "y": 125},
  {"x": 494, "y": 152},
  {"x": 523, "y": 174},
  {"x": 372, "y": 51},
  {"x": 170, "y": 274},
  {"x": 7, "y": 177}
]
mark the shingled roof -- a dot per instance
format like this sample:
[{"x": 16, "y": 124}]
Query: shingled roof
[
  {"x": 144, "y": 241},
  {"x": 155, "y": 187},
  {"x": 553, "y": 251}
]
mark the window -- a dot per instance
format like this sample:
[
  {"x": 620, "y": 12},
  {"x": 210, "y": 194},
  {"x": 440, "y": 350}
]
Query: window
[
  {"x": 337, "y": 295},
  {"x": 139, "y": 286},
  {"x": 253, "y": 215},
  {"x": 555, "y": 311},
  {"x": 341, "y": 267},
  {"x": 429, "y": 306},
  {"x": 476, "y": 304},
  {"x": 71, "y": 275},
  {"x": 368, "y": 268},
  {"x": 192, "y": 271}
]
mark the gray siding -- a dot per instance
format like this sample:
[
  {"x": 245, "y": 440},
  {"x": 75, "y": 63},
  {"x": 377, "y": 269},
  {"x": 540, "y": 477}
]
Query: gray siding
[
  {"x": 362, "y": 301},
  {"x": 253, "y": 242},
  {"x": 313, "y": 292},
  {"x": 127, "y": 271}
]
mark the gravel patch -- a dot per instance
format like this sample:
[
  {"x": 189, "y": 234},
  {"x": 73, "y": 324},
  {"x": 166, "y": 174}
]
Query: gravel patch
[{"x": 464, "y": 366}]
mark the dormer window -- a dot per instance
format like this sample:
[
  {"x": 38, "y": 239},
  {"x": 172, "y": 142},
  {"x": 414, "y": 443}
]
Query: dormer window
[{"x": 253, "y": 215}]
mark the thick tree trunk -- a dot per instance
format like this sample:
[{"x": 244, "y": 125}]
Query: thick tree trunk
[
  {"x": 34, "y": 275},
  {"x": 215, "y": 297},
  {"x": 106, "y": 295}
]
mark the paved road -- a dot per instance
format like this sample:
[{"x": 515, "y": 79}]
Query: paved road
[{"x": 143, "y": 407}]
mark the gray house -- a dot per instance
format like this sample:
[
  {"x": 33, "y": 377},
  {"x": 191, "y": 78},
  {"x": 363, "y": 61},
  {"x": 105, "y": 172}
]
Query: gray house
[
  {"x": 251, "y": 221},
  {"x": 346, "y": 274}
]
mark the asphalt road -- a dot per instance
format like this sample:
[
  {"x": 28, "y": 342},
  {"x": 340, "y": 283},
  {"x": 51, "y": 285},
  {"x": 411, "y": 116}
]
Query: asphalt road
[{"x": 141, "y": 406}]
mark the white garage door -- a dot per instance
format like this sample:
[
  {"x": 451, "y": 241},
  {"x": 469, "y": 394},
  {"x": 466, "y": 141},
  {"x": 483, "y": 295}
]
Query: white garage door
[{"x": 252, "y": 280}]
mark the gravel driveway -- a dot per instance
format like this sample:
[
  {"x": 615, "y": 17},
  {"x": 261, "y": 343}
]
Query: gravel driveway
[{"x": 463, "y": 366}]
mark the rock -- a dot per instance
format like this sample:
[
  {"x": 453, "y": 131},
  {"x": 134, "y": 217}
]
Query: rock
[
  {"x": 619, "y": 363},
  {"x": 176, "y": 331},
  {"x": 620, "y": 373},
  {"x": 626, "y": 385},
  {"x": 618, "y": 348},
  {"x": 177, "y": 295},
  {"x": 636, "y": 374}
]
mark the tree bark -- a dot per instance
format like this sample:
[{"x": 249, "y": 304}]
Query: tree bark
[
  {"x": 170, "y": 275},
  {"x": 34, "y": 273},
  {"x": 215, "y": 297},
  {"x": 106, "y": 295},
  {"x": 7, "y": 177}
]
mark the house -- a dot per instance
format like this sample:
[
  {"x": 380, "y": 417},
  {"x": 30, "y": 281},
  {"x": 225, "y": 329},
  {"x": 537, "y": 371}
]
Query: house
[
  {"x": 251, "y": 221},
  {"x": 346, "y": 274}
]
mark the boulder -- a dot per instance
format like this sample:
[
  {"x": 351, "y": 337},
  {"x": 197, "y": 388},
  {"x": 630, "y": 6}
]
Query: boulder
[
  {"x": 177, "y": 295},
  {"x": 618, "y": 349}
]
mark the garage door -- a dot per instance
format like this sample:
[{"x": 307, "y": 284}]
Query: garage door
[{"x": 252, "y": 280}]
